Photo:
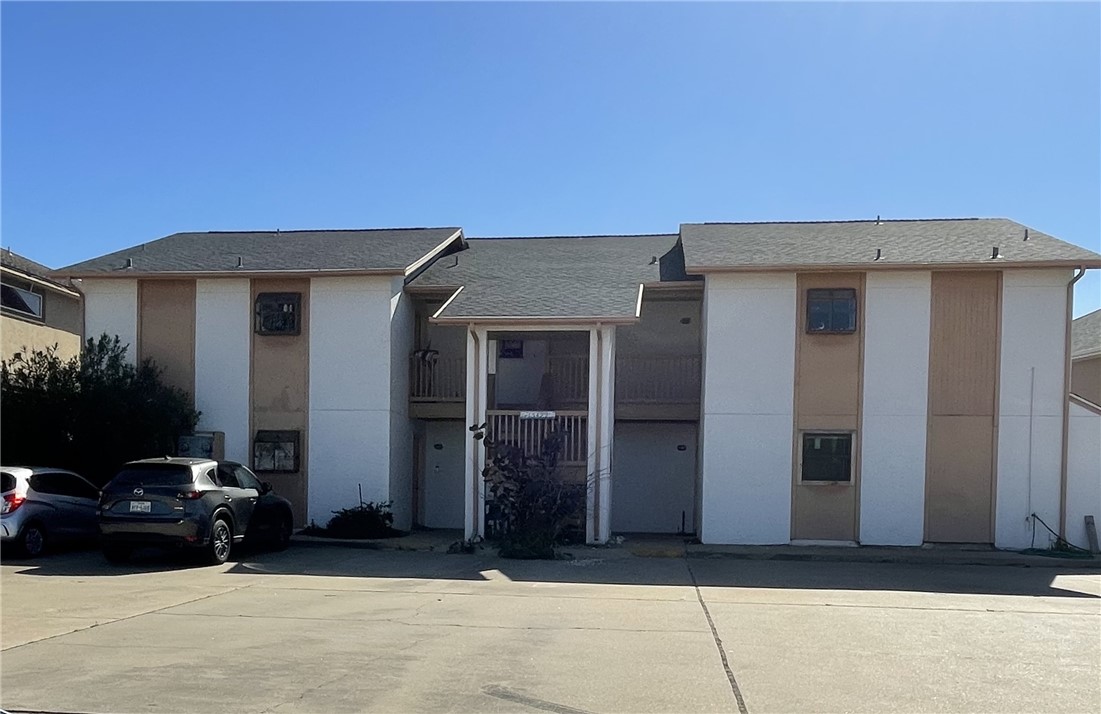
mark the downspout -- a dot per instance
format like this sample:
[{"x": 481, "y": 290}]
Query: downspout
[{"x": 1066, "y": 407}]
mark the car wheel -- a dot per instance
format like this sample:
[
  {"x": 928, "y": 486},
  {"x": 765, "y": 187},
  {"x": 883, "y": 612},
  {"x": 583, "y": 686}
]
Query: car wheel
[
  {"x": 221, "y": 540},
  {"x": 116, "y": 553},
  {"x": 283, "y": 530},
  {"x": 32, "y": 542}
]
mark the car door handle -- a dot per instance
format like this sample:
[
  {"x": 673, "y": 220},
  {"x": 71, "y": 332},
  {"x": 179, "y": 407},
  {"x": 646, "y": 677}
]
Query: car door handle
[{"x": 228, "y": 497}]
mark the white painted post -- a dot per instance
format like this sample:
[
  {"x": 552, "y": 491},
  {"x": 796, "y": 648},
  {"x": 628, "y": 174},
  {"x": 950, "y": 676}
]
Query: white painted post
[
  {"x": 592, "y": 468},
  {"x": 472, "y": 477},
  {"x": 607, "y": 431}
]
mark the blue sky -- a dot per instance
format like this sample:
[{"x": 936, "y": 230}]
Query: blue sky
[{"x": 126, "y": 122}]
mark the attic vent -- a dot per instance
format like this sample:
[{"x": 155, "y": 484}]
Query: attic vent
[
  {"x": 995, "y": 254},
  {"x": 878, "y": 253},
  {"x": 877, "y": 221},
  {"x": 1026, "y": 234},
  {"x": 653, "y": 260},
  {"x": 129, "y": 263},
  {"x": 240, "y": 262}
]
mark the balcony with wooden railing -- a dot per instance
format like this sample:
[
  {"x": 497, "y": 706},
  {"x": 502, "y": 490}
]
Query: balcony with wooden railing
[
  {"x": 657, "y": 386},
  {"x": 529, "y": 430},
  {"x": 437, "y": 386}
]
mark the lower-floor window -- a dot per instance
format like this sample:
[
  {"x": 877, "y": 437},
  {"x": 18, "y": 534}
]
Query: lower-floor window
[{"x": 827, "y": 457}]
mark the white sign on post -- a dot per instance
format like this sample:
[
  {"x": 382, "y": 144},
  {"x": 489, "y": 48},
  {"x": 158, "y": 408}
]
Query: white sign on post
[{"x": 537, "y": 415}]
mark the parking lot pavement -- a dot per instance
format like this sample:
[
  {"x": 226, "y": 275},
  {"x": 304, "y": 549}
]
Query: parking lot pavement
[{"x": 330, "y": 629}]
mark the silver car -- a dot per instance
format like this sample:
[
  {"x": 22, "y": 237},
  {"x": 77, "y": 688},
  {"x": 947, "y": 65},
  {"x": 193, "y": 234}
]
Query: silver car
[{"x": 42, "y": 506}]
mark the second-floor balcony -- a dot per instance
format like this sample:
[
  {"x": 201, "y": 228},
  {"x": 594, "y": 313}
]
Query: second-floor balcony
[{"x": 434, "y": 378}]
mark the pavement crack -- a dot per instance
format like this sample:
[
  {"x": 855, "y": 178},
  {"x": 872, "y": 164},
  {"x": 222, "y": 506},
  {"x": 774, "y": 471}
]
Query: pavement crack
[
  {"x": 510, "y": 695},
  {"x": 718, "y": 643},
  {"x": 159, "y": 610}
]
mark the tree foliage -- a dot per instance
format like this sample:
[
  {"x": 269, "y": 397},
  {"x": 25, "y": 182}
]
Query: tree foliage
[{"x": 91, "y": 413}]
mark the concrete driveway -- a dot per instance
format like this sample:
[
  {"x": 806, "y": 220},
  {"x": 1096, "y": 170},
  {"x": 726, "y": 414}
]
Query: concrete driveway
[{"x": 332, "y": 629}]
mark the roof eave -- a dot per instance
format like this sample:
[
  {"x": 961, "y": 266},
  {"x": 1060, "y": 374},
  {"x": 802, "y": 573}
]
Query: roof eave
[
  {"x": 534, "y": 319},
  {"x": 47, "y": 283},
  {"x": 809, "y": 267},
  {"x": 130, "y": 273},
  {"x": 428, "y": 257}
]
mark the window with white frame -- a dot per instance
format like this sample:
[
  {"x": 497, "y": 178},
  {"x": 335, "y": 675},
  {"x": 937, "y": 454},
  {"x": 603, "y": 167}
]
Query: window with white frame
[{"x": 21, "y": 301}]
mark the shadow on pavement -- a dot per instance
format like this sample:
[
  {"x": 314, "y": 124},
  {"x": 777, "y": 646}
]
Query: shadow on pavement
[{"x": 596, "y": 566}]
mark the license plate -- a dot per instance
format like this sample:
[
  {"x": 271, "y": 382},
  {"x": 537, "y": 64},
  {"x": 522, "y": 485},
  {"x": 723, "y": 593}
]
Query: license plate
[{"x": 140, "y": 506}]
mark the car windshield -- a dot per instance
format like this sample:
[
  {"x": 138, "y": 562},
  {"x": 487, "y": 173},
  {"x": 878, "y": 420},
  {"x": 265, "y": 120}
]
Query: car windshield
[
  {"x": 152, "y": 475},
  {"x": 7, "y": 482}
]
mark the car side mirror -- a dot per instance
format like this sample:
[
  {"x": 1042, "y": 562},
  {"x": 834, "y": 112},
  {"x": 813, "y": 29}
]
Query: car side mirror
[{"x": 265, "y": 487}]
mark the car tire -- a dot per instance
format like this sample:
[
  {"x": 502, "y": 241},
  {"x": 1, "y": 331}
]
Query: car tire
[
  {"x": 221, "y": 541},
  {"x": 284, "y": 527},
  {"x": 32, "y": 541},
  {"x": 116, "y": 554}
]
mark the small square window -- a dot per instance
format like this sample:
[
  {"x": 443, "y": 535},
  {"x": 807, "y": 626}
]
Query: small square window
[
  {"x": 831, "y": 310},
  {"x": 21, "y": 301},
  {"x": 278, "y": 313},
  {"x": 827, "y": 458},
  {"x": 275, "y": 452}
]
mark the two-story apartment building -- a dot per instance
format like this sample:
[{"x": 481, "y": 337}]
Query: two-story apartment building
[{"x": 878, "y": 382}]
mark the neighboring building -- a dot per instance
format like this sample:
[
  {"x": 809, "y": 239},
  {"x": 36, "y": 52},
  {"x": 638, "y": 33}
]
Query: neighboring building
[
  {"x": 38, "y": 311},
  {"x": 878, "y": 382},
  {"x": 1085, "y": 353}
]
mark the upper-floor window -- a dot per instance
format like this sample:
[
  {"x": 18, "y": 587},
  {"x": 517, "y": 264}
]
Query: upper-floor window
[
  {"x": 22, "y": 301},
  {"x": 831, "y": 310},
  {"x": 278, "y": 313}
]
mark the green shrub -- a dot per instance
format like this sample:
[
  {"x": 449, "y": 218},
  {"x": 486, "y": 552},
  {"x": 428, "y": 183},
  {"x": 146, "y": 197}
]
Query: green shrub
[
  {"x": 91, "y": 413},
  {"x": 367, "y": 520}
]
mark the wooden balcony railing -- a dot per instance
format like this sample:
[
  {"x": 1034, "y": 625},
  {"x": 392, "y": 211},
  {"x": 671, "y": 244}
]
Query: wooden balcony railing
[
  {"x": 440, "y": 379},
  {"x": 571, "y": 378},
  {"x": 528, "y": 434},
  {"x": 673, "y": 379}
]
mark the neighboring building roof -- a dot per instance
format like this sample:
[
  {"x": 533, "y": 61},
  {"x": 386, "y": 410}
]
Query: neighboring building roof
[
  {"x": 592, "y": 277},
  {"x": 949, "y": 242},
  {"x": 1085, "y": 336},
  {"x": 397, "y": 251},
  {"x": 32, "y": 270}
]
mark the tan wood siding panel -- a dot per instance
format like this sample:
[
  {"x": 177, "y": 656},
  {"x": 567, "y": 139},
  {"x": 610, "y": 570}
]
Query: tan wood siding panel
[
  {"x": 280, "y": 377},
  {"x": 963, "y": 352},
  {"x": 166, "y": 329},
  {"x": 963, "y": 380},
  {"x": 959, "y": 479},
  {"x": 827, "y": 398}
]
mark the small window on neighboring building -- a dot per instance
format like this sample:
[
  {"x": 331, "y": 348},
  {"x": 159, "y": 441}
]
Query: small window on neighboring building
[
  {"x": 827, "y": 457},
  {"x": 831, "y": 310},
  {"x": 22, "y": 301},
  {"x": 278, "y": 313},
  {"x": 275, "y": 452}
]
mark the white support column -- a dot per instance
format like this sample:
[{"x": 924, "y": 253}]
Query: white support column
[
  {"x": 606, "y": 431},
  {"x": 476, "y": 394},
  {"x": 592, "y": 469}
]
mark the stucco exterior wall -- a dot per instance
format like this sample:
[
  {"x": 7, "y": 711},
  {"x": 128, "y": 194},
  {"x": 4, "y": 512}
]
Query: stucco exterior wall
[
  {"x": 1030, "y": 403},
  {"x": 1083, "y": 473},
  {"x": 402, "y": 330},
  {"x": 223, "y": 329},
  {"x": 111, "y": 307},
  {"x": 895, "y": 415},
  {"x": 23, "y": 336},
  {"x": 749, "y": 366},
  {"x": 350, "y": 399}
]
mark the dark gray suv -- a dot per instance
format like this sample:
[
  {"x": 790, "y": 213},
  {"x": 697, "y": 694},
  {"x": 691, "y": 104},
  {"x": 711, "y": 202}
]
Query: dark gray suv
[{"x": 196, "y": 503}]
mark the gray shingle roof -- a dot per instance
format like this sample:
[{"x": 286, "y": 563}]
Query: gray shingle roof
[
  {"x": 590, "y": 277},
  {"x": 963, "y": 241},
  {"x": 1085, "y": 335},
  {"x": 383, "y": 250},
  {"x": 27, "y": 266}
]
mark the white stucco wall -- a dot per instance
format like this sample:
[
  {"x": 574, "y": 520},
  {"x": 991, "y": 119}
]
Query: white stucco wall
[
  {"x": 444, "y": 478},
  {"x": 111, "y": 306},
  {"x": 402, "y": 324},
  {"x": 350, "y": 400},
  {"x": 1083, "y": 474},
  {"x": 1030, "y": 404},
  {"x": 895, "y": 410},
  {"x": 749, "y": 378},
  {"x": 223, "y": 328}
]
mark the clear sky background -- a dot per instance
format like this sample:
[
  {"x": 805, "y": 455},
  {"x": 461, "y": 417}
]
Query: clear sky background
[{"x": 126, "y": 122}]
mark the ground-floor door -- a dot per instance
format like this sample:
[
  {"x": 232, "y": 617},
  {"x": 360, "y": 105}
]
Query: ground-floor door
[
  {"x": 443, "y": 480},
  {"x": 654, "y": 477}
]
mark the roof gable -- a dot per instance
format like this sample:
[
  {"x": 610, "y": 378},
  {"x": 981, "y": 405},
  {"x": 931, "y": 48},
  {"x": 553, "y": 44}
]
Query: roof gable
[{"x": 1085, "y": 335}]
